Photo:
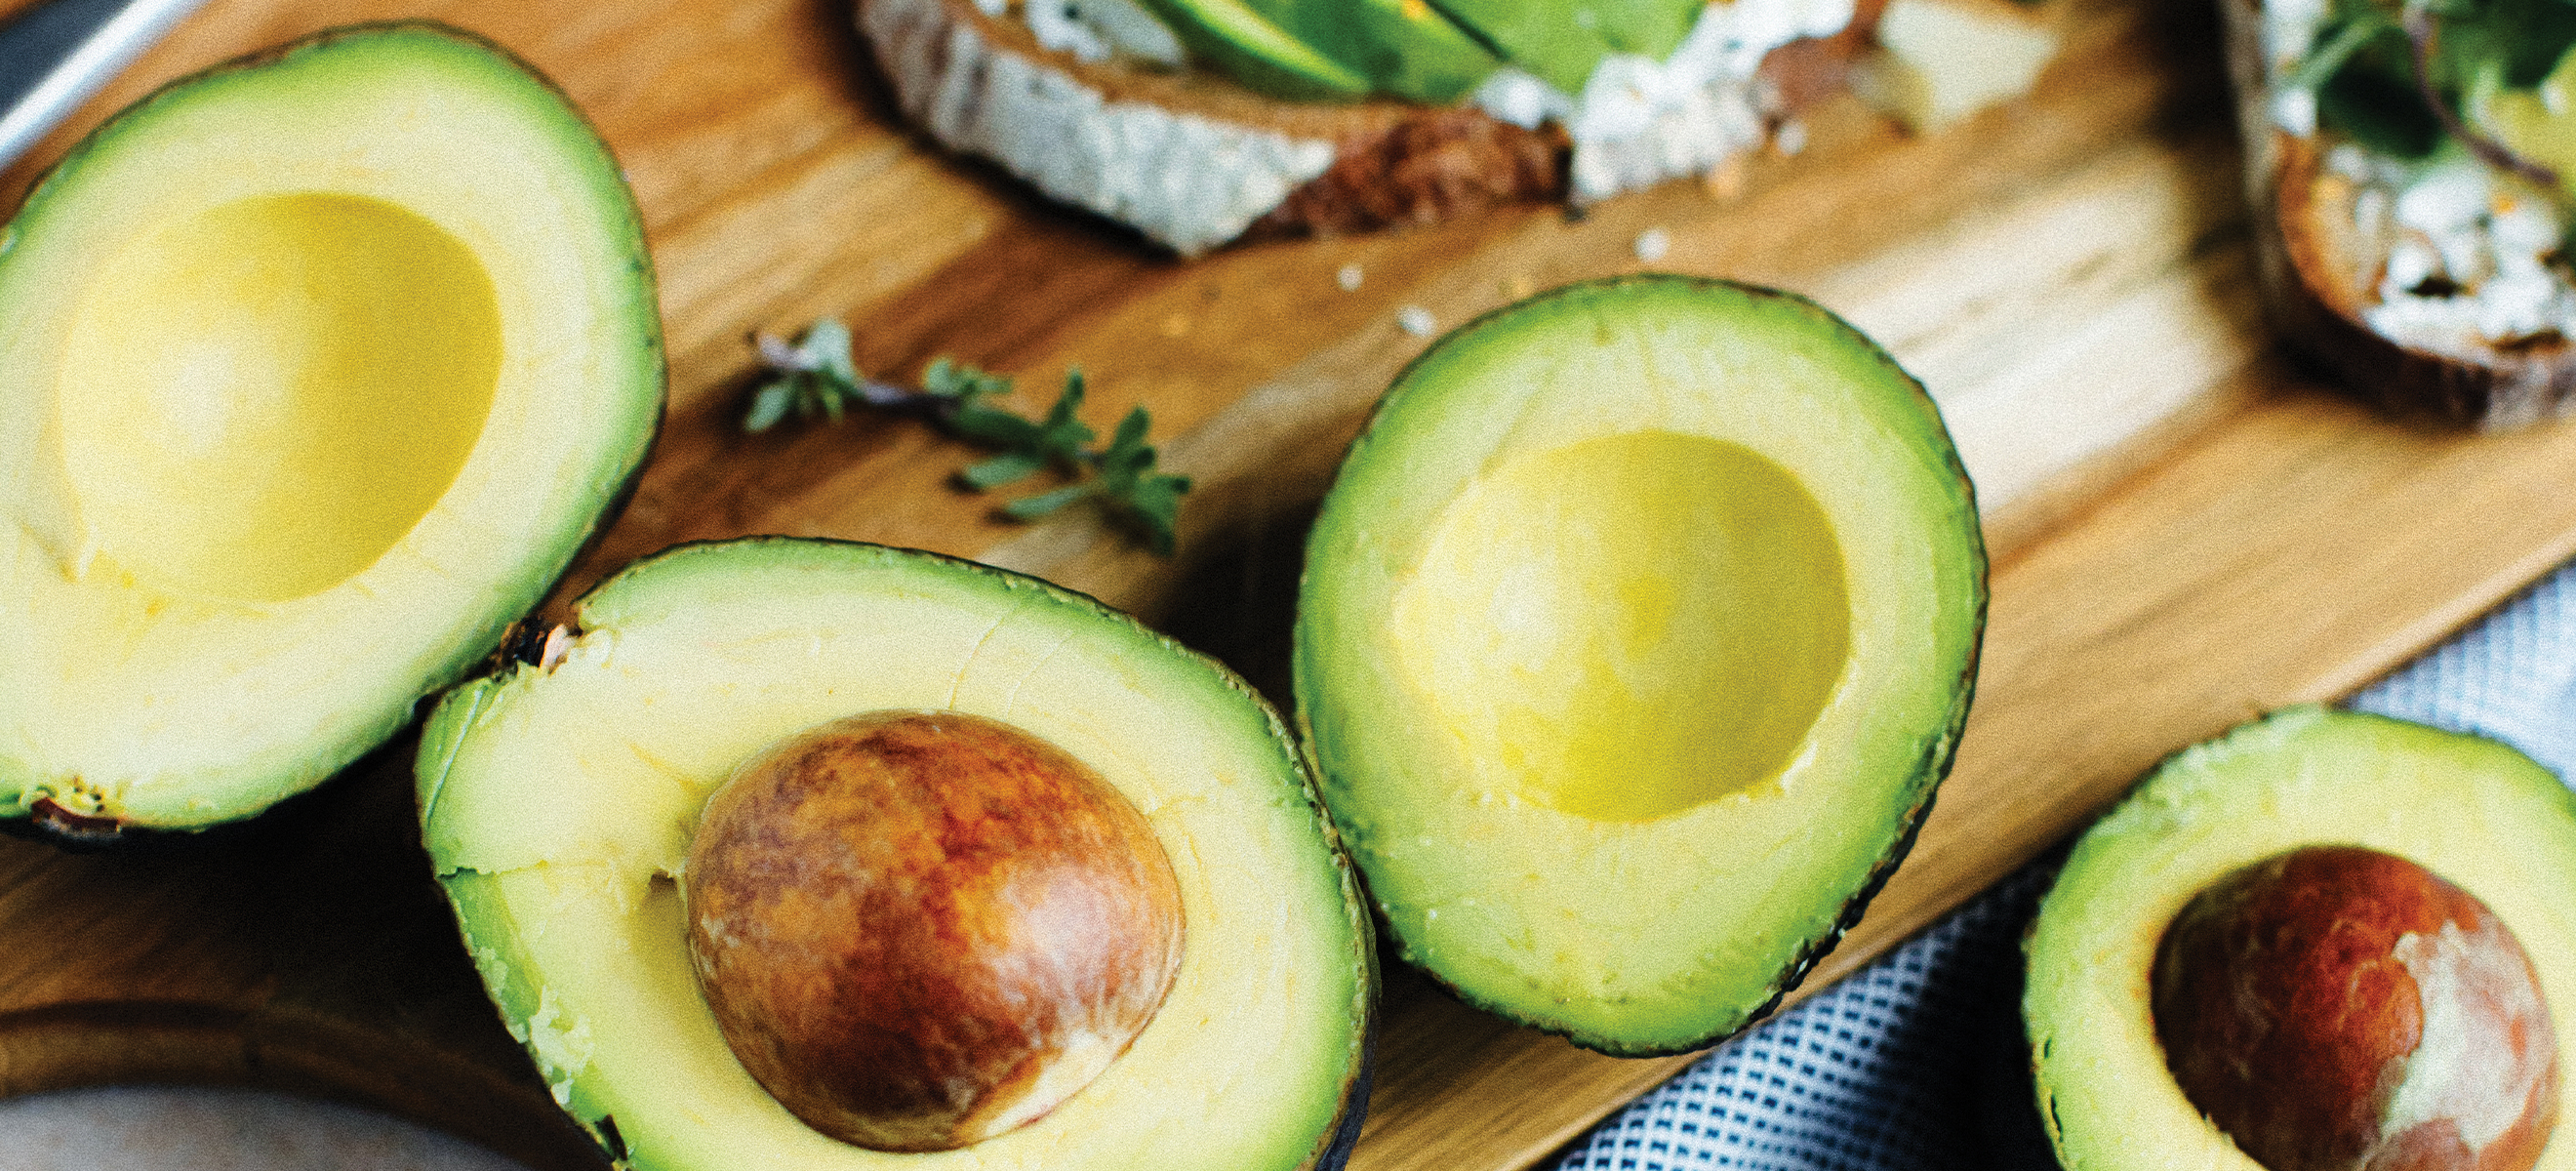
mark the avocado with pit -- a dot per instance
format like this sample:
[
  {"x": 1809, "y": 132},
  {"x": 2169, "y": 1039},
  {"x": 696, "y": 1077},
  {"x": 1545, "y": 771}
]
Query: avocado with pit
[
  {"x": 319, "y": 369},
  {"x": 1636, "y": 632},
  {"x": 2322, "y": 939},
  {"x": 1065, "y": 887}
]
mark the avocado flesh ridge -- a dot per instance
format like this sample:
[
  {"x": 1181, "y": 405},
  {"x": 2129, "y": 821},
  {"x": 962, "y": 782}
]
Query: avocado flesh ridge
[
  {"x": 1656, "y": 935},
  {"x": 1401, "y": 47},
  {"x": 169, "y": 685},
  {"x": 1556, "y": 42},
  {"x": 691, "y": 665},
  {"x": 2470, "y": 810},
  {"x": 1532, "y": 36},
  {"x": 1248, "y": 47}
]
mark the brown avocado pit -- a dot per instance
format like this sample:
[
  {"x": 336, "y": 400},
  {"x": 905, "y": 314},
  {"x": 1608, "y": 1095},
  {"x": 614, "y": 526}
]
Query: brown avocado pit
[
  {"x": 921, "y": 929},
  {"x": 2341, "y": 1007}
]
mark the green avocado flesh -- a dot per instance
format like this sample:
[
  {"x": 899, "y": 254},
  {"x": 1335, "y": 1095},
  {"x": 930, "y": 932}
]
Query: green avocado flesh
[
  {"x": 1636, "y": 632},
  {"x": 1421, "y": 50},
  {"x": 1239, "y": 39},
  {"x": 1402, "y": 47},
  {"x": 2468, "y": 809},
  {"x": 1563, "y": 43},
  {"x": 558, "y": 802},
  {"x": 316, "y": 371}
]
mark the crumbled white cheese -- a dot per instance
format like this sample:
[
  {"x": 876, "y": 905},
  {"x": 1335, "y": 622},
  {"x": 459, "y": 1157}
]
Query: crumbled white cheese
[
  {"x": 1652, "y": 244},
  {"x": 2471, "y": 259},
  {"x": 2295, "y": 111},
  {"x": 1640, "y": 122},
  {"x": 1097, "y": 30},
  {"x": 2448, "y": 198},
  {"x": 2289, "y": 31},
  {"x": 2469, "y": 262},
  {"x": 1416, "y": 320},
  {"x": 1191, "y": 182},
  {"x": 2370, "y": 211},
  {"x": 1513, "y": 95},
  {"x": 2523, "y": 228},
  {"x": 2411, "y": 262},
  {"x": 1348, "y": 278}
]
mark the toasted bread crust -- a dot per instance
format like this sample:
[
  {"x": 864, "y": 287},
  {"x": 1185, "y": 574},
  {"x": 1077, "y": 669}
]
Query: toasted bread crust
[
  {"x": 1429, "y": 166},
  {"x": 2317, "y": 278},
  {"x": 1185, "y": 157},
  {"x": 1195, "y": 162}
]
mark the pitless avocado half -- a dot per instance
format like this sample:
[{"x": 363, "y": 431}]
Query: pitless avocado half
[
  {"x": 1635, "y": 635},
  {"x": 565, "y": 805},
  {"x": 316, "y": 371}
]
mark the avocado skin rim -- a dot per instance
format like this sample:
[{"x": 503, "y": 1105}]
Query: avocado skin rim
[
  {"x": 1932, "y": 762},
  {"x": 1332, "y": 1150},
  {"x": 49, "y": 823}
]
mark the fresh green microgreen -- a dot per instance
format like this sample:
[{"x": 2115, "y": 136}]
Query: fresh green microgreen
[
  {"x": 2401, "y": 76},
  {"x": 816, "y": 377}
]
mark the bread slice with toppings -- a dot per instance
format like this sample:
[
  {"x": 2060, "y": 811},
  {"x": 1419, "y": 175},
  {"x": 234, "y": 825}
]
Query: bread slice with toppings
[
  {"x": 1195, "y": 161},
  {"x": 2429, "y": 283}
]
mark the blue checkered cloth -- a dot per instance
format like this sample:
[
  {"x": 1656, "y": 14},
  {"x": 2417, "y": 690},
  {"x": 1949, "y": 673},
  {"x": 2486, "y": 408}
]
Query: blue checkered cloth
[{"x": 1915, "y": 1063}]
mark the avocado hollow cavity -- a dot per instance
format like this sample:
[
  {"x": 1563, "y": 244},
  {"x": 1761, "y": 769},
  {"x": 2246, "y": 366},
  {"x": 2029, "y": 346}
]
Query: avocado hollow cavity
[
  {"x": 259, "y": 399},
  {"x": 1548, "y": 630},
  {"x": 317, "y": 369},
  {"x": 1635, "y": 634}
]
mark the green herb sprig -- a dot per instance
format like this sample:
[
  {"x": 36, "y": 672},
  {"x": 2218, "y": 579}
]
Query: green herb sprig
[
  {"x": 2399, "y": 75},
  {"x": 816, "y": 378}
]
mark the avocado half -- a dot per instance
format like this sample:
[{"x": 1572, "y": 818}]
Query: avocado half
[
  {"x": 1636, "y": 632},
  {"x": 558, "y": 800},
  {"x": 2471, "y": 810},
  {"x": 316, "y": 371}
]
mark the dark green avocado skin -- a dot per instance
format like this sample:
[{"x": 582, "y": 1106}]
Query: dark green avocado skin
[
  {"x": 1933, "y": 752},
  {"x": 523, "y": 656}
]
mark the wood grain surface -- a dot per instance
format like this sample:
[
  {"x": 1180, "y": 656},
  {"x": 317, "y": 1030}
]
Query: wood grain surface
[{"x": 2186, "y": 530}]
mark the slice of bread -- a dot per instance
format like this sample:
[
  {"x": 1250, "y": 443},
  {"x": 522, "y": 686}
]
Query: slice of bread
[
  {"x": 2326, "y": 246},
  {"x": 1194, "y": 161}
]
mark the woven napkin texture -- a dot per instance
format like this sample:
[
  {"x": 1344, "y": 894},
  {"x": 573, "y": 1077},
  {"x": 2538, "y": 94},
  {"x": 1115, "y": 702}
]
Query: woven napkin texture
[{"x": 1915, "y": 1063}]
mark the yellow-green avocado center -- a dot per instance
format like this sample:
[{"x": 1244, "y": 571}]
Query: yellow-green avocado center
[
  {"x": 1634, "y": 634},
  {"x": 261, "y": 398},
  {"x": 1548, "y": 631},
  {"x": 316, "y": 371}
]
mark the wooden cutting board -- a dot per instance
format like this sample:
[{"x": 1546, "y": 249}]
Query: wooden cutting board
[{"x": 2185, "y": 529}]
